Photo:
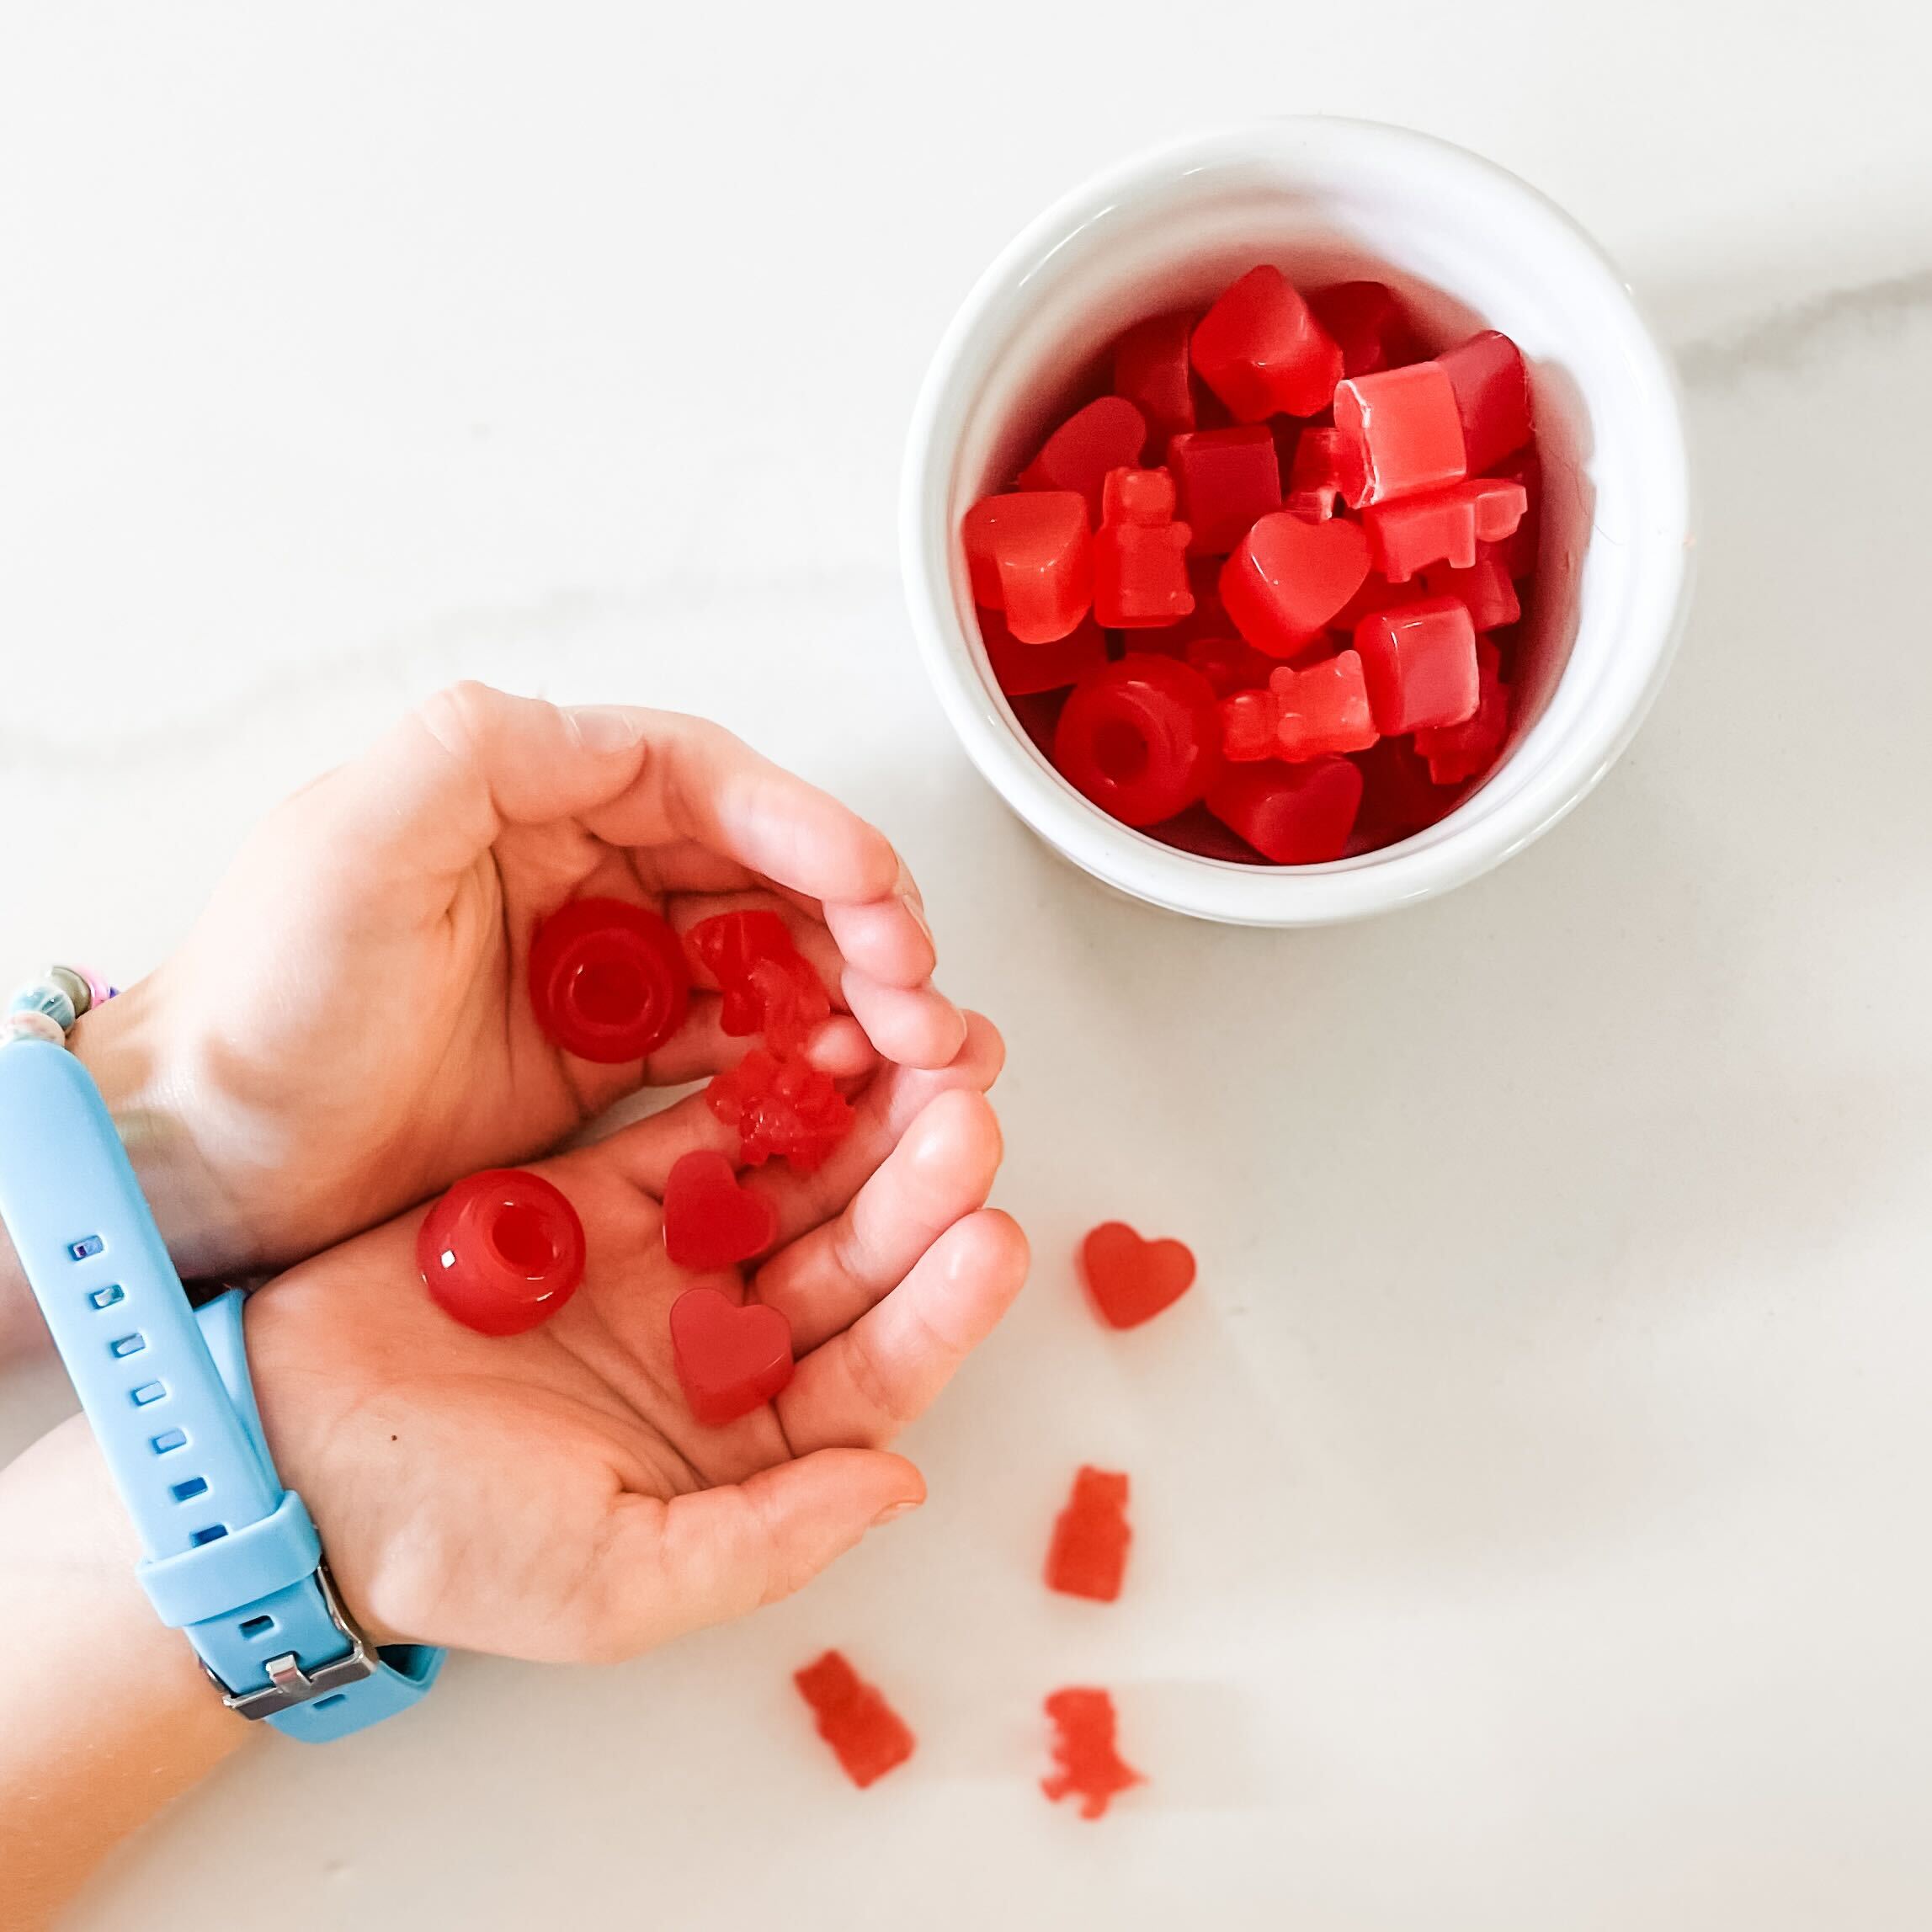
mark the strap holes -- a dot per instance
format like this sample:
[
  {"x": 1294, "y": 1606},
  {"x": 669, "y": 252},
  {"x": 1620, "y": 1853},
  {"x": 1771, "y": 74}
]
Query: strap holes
[
  {"x": 85, "y": 1249},
  {"x": 213, "y": 1533},
  {"x": 329, "y": 1703},
  {"x": 106, "y": 1297},
  {"x": 147, "y": 1393},
  {"x": 168, "y": 1441},
  {"x": 188, "y": 1490},
  {"x": 257, "y": 1626},
  {"x": 126, "y": 1346}
]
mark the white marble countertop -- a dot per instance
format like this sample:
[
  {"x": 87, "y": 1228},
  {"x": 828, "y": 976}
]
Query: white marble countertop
[{"x": 1532, "y": 1500}]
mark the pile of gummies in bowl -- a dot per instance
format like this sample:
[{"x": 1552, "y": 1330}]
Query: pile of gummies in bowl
[{"x": 1263, "y": 600}]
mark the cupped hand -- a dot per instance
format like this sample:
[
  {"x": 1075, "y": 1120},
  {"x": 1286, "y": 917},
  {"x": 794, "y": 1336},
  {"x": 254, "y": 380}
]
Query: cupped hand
[
  {"x": 347, "y": 1030},
  {"x": 548, "y": 1496}
]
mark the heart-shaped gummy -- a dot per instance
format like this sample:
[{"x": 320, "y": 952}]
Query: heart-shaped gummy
[
  {"x": 730, "y": 1358},
  {"x": 1287, "y": 578},
  {"x": 1131, "y": 1280},
  {"x": 711, "y": 1220}
]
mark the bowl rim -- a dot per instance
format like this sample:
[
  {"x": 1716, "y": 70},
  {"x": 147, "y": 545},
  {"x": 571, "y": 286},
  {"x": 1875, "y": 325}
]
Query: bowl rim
[{"x": 1466, "y": 843}]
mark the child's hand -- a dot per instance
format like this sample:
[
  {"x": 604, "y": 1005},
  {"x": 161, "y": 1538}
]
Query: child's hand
[
  {"x": 348, "y": 1028},
  {"x": 548, "y": 1496}
]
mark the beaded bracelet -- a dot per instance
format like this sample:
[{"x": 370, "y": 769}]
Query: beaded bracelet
[{"x": 49, "y": 1007}]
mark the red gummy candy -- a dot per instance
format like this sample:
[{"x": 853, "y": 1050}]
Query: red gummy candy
[
  {"x": 1129, "y": 1280},
  {"x": 1229, "y": 664},
  {"x": 1030, "y": 555},
  {"x": 1484, "y": 589},
  {"x": 769, "y": 986},
  {"x": 1517, "y": 551},
  {"x": 1288, "y": 578},
  {"x": 1295, "y": 814},
  {"x": 609, "y": 980},
  {"x": 1322, "y": 710},
  {"x": 1491, "y": 397},
  {"x": 1368, "y": 324},
  {"x": 1107, "y": 434},
  {"x": 711, "y": 1220},
  {"x": 1399, "y": 434},
  {"x": 1262, "y": 351},
  {"x": 1225, "y": 479},
  {"x": 501, "y": 1252},
  {"x": 1088, "y": 1764},
  {"x": 789, "y": 1109},
  {"x": 1420, "y": 662},
  {"x": 1140, "y": 737},
  {"x": 1459, "y": 752},
  {"x": 868, "y": 1735},
  {"x": 1087, "y": 1556},
  {"x": 1151, "y": 369},
  {"x": 1442, "y": 525},
  {"x": 1315, "y": 476},
  {"x": 1140, "y": 556},
  {"x": 1399, "y": 799},
  {"x": 1022, "y": 670},
  {"x": 731, "y": 1357}
]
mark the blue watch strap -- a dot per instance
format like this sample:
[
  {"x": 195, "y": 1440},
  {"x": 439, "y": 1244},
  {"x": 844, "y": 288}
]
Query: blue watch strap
[{"x": 227, "y": 1553}]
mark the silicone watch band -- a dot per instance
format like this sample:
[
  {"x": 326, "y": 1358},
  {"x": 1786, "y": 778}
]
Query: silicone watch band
[{"x": 228, "y": 1556}]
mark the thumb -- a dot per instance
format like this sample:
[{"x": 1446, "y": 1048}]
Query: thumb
[{"x": 668, "y": 1569}]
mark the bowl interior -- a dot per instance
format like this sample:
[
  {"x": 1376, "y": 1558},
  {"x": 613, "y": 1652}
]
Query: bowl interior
[{"x": 1468, "y": 247}]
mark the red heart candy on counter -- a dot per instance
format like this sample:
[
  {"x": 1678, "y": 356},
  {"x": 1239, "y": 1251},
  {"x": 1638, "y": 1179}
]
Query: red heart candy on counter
[
  {"x": 711, "y": 1219},
  {"x": 730, "y": 1358},
  {"x": 1131, "y": 1280}
]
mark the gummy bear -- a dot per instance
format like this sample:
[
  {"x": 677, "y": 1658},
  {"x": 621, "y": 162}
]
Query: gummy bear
[
  {"x": 867, "y": 1733},
  {"x": 769, "y": 986},
  {"x": 1107, "y": 434},
  {"x": 1322, "y": 710},
  {"x": 1140, "y": 556},
  {"x": 1262, "y": 351},
  {"x": 788, "y": 1109},
  {"x": 1088, "y": 1764},
  {"x": 1029, "y": 554},
  {"x": 502, "y": 1251},
  {"x": 1087, "y": 1556}
]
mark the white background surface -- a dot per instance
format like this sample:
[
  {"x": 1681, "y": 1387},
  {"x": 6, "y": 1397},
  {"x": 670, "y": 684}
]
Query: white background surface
[{"x": 1532, "y": 1502}]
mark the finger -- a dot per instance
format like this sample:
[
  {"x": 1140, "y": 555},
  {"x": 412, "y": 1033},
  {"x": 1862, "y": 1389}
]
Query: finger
[
  {"x": 668, "y": 1569},
  {"x": 916, "y": 1026},
  {"x": 699, "y": 783},
  {"x": 869, "y": 1381},
  {"x": 645, "y": 1151},
  {"x": 941, "y": 1171},
  {"x": 701, "y": 1047},
  {"x": 888, "y": 940}
]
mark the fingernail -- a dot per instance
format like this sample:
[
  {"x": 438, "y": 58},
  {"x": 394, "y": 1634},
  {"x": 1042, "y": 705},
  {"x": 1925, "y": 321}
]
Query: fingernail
[
  {"x": 892, "y": 1511},
  {"x": 606, "y": 727}
]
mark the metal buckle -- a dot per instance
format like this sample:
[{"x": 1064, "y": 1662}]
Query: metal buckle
[{"x": 289, "y": 1684}]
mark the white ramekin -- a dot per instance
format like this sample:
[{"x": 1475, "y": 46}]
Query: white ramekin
[{"x": 1470, "y": 246}]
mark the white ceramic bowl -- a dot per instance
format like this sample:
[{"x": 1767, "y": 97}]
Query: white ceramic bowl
[{"x": 1470, "y": 246}]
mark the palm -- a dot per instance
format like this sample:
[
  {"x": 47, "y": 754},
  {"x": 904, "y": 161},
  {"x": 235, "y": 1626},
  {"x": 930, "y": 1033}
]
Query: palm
[
  {"x": 348, "y": 1020},
  {"x": 511, "y": 1495}
]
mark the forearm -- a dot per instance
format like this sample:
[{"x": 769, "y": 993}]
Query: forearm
[{"x": 105, "y": 1716}]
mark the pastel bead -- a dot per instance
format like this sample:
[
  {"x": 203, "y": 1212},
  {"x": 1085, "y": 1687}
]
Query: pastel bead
[
  {"x": 502, "y": 1251},
  {"x": 74, "y": 985},
  {"x": 32, "y": 1026},
  {"x": 100, "y": 992},
  {"x": 45, "y": 997}
]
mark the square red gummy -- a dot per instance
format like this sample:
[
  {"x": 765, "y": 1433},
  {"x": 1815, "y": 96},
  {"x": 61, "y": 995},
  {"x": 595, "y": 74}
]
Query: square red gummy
[
  {"x": 1224, "y": 480},
  {"x": 1420, "y": 661},
  {"x": 1492, "y": 388},
  {"x": 1397, "y": 434}
]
